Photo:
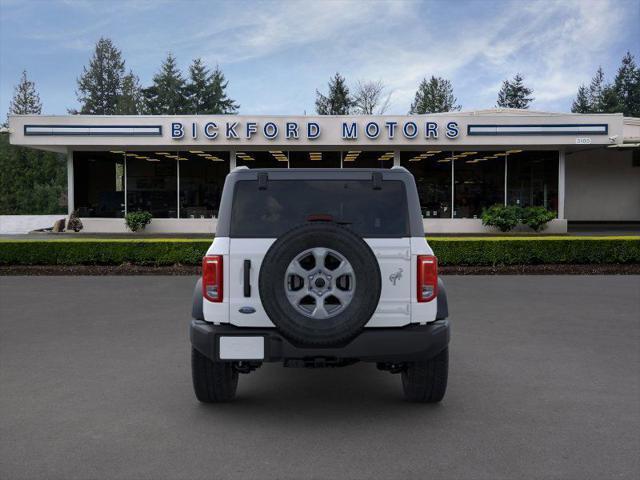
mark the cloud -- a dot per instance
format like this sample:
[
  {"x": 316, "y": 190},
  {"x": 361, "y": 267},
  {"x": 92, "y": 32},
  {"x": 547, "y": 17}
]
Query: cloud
[{"x": 277, "y": 53}]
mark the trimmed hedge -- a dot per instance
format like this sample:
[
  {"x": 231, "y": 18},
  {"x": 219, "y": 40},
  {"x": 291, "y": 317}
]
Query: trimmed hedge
[{"x": 450, "y": 251}]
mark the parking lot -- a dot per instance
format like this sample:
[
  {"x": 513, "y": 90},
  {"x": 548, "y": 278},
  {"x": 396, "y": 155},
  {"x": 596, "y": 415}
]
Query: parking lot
[{"x": 544, "y": 383}]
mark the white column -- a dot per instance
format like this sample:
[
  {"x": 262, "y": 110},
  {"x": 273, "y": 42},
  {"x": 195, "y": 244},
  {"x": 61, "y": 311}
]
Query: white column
[
  {"x": 70, "y": 189},
  {"x": 232, "y": 160},
  {"x": 177, "y": 188},
  {"x": 506, "y": 166},
  {"x": 561, "y": 176},
  {"x": 125, "y": 186},
  {"x": 453, "y": 184},
  {"x": 396, "y": 158}
]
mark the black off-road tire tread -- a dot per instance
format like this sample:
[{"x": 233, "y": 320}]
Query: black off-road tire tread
[
  {"x": 276, "y": 313},
  {"x": 213, "y": 382},
  {"x": 426, "y": 382}
]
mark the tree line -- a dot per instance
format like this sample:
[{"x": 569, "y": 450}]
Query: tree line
[
  {"x": 435, "y": 95},
  {"x": 33, "y": 181},
  {"x": 106, "y": 88}
]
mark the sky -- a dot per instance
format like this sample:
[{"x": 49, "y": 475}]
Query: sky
[{"x": 275, "y": 54}]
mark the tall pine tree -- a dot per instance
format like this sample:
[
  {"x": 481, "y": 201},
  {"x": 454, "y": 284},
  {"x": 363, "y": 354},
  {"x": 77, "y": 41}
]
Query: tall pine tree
[
  {"x": 627, "y": 86},
  {"x": 206, "y": 92},
  {"x": 433, "y": 96},
  {"x": 31, "y": 181},
  {"x": 338, "y": 100},
  {"x": 196, "y": 88},
  {"x": 514, "y": 94},
  {"x": 582, "y": 103},
  {"x": 100, "y": 85},
  {"x": 597, "y": 89},
  {"x": 25, "y": 99},
  {"x": 167, "y": 94},
  {"x": 219, "y": 102},
  {"x": 130, "y": 101}
]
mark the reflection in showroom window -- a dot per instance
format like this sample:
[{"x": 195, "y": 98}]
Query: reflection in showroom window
[
  {"x": 432, "y": 171},
  {"x": 478, "y": 182},
  {"x": 99, "y": 184},
  {"x": 532, "y": 179},
  {"x": 152, "y": 184},
  {"x": 202, "y": 175}
]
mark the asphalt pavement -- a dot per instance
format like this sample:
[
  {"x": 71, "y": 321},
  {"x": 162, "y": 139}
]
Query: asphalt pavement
[{"x": 544, "y": 383}]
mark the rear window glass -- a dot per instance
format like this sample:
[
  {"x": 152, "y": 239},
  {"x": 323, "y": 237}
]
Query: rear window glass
[{"x": 286, "y": 203}]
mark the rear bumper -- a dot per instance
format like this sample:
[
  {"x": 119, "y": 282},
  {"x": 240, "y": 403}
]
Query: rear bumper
[{"x": 410, "y": 343}]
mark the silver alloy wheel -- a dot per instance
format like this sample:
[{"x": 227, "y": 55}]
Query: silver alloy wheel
[{"x": 319, "y": 283}]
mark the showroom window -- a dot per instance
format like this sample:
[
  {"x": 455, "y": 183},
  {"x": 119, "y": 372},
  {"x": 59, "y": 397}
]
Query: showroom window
[
  {"x": 432, "y": 171},
  {"x": 478, "y": 182},
  {"x": 532, "y": 178},
  {"x": 152, "y": 184},
  {"x": 315, "y": 159},
  {"x": 99, "y": 184},
  {"x": 367, "y": 159},
  {"x": 263, "y": 159},
  {"x": 201, "y": 177}
]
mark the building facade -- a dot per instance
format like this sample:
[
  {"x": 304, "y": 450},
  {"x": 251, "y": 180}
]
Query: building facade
[{"x": 583, "y": 167}]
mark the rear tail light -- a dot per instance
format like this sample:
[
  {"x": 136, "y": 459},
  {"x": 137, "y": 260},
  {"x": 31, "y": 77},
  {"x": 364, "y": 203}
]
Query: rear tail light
[
  {"x": 212, "y": 278},
  {"x": 427, "y": 278}
]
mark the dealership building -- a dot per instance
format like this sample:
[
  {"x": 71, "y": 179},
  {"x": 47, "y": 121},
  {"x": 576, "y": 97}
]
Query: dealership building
[{"x": 586, "y": 168}]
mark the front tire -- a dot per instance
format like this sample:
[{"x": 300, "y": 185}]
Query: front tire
[
  {"x": 426, "y": 381},
  {"x": 213, "y": 382}
]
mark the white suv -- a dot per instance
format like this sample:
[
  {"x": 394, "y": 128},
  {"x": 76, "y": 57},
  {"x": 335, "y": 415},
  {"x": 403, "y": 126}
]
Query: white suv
[{"x": 319, "y": 268}]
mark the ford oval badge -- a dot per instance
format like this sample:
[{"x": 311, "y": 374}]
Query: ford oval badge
[{"x": 247, "y": 310}]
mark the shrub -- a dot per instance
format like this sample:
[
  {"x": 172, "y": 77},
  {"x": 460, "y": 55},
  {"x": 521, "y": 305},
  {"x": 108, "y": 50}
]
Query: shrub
[
  {"x": 450, "y": 251},
  {"x": 137, "y": 220},
  {"x": 74, "y": 223},
  {"x": 537, "y": 217},
  {"x": 504, "y": 218}
]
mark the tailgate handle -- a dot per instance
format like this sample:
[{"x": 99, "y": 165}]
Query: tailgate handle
[{"x": 247, "y": 278}]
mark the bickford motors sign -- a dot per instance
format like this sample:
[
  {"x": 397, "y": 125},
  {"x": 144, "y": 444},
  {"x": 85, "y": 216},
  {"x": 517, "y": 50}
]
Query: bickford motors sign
[{"x": 295, "y": 130}]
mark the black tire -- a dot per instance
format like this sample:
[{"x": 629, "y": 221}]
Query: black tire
[
  {"x": 213, "y": 382},
  {"x": 345, "y": 325},
  {"x": 426, "y": 381}
]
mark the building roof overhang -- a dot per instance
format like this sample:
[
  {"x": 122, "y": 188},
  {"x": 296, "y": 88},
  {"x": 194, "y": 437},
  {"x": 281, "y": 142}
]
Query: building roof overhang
[{"x": 478, "y": 128}]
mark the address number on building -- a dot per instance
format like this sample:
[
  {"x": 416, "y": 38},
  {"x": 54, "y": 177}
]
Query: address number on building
[{"x": 583, "y": 141}]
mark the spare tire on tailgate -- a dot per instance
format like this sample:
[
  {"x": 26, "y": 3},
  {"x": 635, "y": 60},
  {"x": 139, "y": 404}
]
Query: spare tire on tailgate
[{"x": 320, "y": 284}]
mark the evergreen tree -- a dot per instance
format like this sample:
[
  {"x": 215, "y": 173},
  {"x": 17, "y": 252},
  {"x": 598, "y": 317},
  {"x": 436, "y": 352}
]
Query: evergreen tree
[
  {"x": 433, "y": 96},
  {"x": 610, "y": 101},
  {"x": 100, "y": 85},
  {"x": 130, "y": 101},
  {"x": 25, "y": 99},
  {"x": 581, "y": 104},
  {"x": 514, "y": 94},
  {"x": 196, "y": 89},
  {"x": 167, "y": 95},
  {"x": 596, "y": 91},
  {"x": 627, "y": 86},
  {"x": 338, "y": 101},
  {"x": 218, "y": 100},
  {"x": 206, "y": 92},
  {"x": 31, "y": 181}
]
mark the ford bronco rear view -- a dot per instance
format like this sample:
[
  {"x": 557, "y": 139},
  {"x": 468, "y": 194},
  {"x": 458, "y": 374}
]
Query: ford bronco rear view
[{"x": 319, "y": 268}]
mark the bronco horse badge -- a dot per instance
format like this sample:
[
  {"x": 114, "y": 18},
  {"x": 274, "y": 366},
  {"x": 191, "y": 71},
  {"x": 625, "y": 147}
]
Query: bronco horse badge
[{"x": 394, "y": 277}]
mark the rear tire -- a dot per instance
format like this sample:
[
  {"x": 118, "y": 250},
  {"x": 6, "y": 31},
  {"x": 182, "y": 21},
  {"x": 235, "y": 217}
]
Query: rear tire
[
  {"x": 213, "y": 382},
  {"x": 426, "y": 381}
]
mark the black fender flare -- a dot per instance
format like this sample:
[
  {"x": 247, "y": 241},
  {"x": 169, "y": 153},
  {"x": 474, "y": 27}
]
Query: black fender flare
[
  {"x": 196, "y": 307},
  {"x": 443, "y": 306}
]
